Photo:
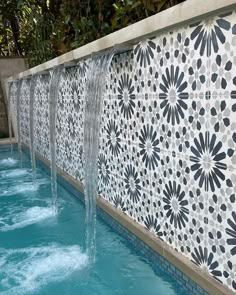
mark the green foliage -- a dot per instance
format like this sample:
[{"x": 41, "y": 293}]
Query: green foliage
[
  {"x": 41, "y": 47},
  {"x": 26, "y": 27},
  {"x": 10, "y": 16},
  {"x": 43, "y": 29},
  {"x": 130, "y": 11}
]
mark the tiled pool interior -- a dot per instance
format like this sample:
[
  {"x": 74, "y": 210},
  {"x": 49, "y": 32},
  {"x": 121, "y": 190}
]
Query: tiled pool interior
[
  {"x": 167, "y": 141},
  {"x": 36, "y": 258}
]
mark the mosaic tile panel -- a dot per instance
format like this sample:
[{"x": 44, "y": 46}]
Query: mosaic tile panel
[
  {"x": 70, "y": 119},
  {"x": 24, "y": 111},
  {"x": 13, "y": 98},
  {"x": 41, "y": 115},
  {"x": 167, "y": 156},
  {"x": 167, "y": 138}
]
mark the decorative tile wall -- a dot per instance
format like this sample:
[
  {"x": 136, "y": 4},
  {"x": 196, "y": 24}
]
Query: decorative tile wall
[
  {"x": 13, "y": 97},
  {"x": 70, "y": 118},
  {"x": 24, "y": 111},
  {"x": 41, "y": 115},
  {"x": 167, "y": 138}
]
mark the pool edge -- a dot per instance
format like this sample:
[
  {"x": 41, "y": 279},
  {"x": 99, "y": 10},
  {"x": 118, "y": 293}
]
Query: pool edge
[{"x": 8, "y": 141}]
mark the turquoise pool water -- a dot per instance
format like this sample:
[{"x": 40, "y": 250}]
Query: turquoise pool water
[{"x": 41, "y": 253}]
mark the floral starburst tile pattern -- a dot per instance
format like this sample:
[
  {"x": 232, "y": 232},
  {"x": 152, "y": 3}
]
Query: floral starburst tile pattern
[
  {"x": 41, "y": 115},
  {"x": 167, "y": 155},
  {"x": 70, "y": 118},
  {"x": 208, "y": 161},
  {"x": 13, "y": 97},
  {"x": 24, "y": 111}
]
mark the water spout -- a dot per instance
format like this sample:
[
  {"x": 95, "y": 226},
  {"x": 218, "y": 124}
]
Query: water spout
[
  {"x": 93, "y": 107},
  {"x": 32, "y": 150},
  {"x": 53, "y": 94},
  {"x": 9, "y": 116},
  {"x": 18, "y": 120}
]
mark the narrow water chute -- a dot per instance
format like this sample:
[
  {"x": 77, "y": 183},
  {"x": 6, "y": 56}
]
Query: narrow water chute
[
  {"x": 18, "y": 96},
  {"x": 31, "y": 113},
  {"x": 53, "y": 95},
  {"x": 93, "y": 107},
  {"x": 10, "y": 116}
]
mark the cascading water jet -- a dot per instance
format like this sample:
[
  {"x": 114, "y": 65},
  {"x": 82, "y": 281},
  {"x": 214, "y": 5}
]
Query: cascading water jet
[
  {"x": 31, "y": 113},
  {"x": 53, "y": 95},
  {"x": 93, "y": 107}
]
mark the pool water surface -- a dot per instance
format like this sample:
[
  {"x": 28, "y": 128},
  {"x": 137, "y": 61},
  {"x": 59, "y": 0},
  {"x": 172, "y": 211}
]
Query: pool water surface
[{"x": 43, "y": 253}]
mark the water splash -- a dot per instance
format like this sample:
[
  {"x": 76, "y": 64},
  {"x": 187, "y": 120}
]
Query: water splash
[
  {"x": 18, "y": 119},
  {"x": 53, "y": 94},
  {"x": 30, "y": 216},
  {"x": 8, "y": 162},
  {"x": 14, "y": 173},
  {"x": 10, "y": 116},
  {"x": 32, "y": 150},
  {"x": 23, "y": 188},
  {"x": 28, "y": 270},
  {"x": 93, "y": 108}
]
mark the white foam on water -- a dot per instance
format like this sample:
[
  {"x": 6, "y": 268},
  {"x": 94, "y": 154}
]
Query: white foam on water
[
  {"x": 27, "y": 270},
  {"x": 30, "y": 216},
  {"x": 8, "y": 161},
  {"x": 15, "y": 173},
  {"x": 23, "y": 188},
  {"x": 20, "y": 188}
]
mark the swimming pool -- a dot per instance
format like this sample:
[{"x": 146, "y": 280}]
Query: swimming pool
[{"x": 41, "y": 253}]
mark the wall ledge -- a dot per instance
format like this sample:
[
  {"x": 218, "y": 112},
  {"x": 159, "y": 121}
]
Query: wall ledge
[
  {"x": 187, "y": 11},
  {"x": 6, "y": 141}
]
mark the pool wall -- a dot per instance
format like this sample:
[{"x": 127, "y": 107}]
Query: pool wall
[{"x": 167, "y": 138}]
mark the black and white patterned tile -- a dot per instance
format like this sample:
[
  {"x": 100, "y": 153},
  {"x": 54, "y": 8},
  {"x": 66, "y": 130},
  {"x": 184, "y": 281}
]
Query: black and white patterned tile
[
  {"x": 24, "y": 111},
  {"x": 70, "y": 118},
  {"x": 13, "y": 98},
  {"x": 167, "y": 155},
  {"x": 41, "y": 115}
]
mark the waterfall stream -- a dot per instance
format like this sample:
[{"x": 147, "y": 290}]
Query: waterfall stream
[
  {"x": 31, "y": 113},
  {"x": 93, "y": 107},
  {"x": 18, "y": 119},
  {"x": 10, "y": 116},
  {"x": 53, "y": 94}
]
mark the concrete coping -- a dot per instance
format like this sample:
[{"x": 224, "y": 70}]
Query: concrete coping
[
  {"x": 186, "y": 266},
  {"x": 6, "y": 141},
  {"x": 188, "y": 11}
]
